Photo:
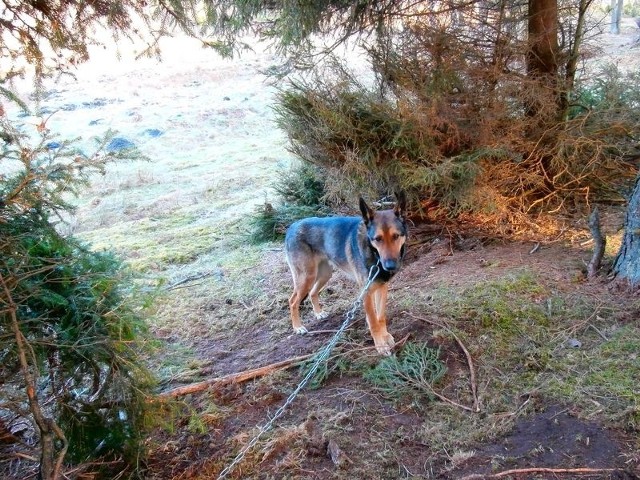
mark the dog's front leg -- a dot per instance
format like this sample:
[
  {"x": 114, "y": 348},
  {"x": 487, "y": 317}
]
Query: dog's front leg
[{"x": 375, "y": 310}]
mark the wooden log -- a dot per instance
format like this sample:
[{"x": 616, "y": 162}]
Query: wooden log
[{"x": 235, "y": 377}]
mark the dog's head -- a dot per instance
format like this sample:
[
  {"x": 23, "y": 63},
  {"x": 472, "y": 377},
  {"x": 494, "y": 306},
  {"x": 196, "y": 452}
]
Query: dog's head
[{"x": 387, "y": 232}]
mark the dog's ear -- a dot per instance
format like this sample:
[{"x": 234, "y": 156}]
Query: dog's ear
[
  {"x": 401, "y": 205},
  {"x": 367, "y": 213}
]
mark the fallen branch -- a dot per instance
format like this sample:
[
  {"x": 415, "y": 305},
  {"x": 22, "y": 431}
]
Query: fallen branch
[
  {"x": 600, "y": 243},
  {"x": 444, "y": 399},
  {"x": 236, "y": 377},
  {"x": 191, "y": 278},
  {"x": 517, "y": 471},
  {"x": 472, "y": 372}
]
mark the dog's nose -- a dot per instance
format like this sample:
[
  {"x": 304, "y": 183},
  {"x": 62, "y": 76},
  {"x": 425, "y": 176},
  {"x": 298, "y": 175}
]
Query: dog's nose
[{"x": 390, "y": 265}]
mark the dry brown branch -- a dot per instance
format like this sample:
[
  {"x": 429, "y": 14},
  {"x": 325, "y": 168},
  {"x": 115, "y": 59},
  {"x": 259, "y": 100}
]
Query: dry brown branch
[
  {"x": 600, "y": 243},
  {"x": 472, "y": 373},
  {"x": 555, "y": 471},
  {"x": 449, "y": 401},
  {"x": 236, "y": 377}
]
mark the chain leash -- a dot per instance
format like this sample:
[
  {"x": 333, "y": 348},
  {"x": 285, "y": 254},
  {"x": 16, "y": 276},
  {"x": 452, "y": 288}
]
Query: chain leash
[{"x": 322, "y": 355}]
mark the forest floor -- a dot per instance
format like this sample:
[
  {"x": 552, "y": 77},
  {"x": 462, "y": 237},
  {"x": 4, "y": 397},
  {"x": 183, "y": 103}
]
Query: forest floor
[{"x": 542, "y": 365}]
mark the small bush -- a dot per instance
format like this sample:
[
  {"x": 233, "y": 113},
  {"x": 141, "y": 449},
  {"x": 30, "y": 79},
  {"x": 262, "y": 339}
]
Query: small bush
[
  {"x": 302, "y": 194},
  {"x": 270, "y": 223},
  {"x": 302, "y": 185},
  {"x": 416, "y": 368},
  {"x": 69, "y": 329},
  {"x": 367, "y": 145}
]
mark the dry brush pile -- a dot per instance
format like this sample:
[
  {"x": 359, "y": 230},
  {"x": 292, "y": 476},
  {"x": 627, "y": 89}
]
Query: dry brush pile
[{"x": 461, "y": 127}]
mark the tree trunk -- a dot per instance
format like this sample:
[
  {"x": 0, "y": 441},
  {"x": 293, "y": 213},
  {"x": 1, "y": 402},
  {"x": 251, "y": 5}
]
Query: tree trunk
[
  {"x": 627, "y": 263},
  {"x": 616, "y": 16},
  {"x": 542, "y": 63},
  {"x": 542, "y": 56}
]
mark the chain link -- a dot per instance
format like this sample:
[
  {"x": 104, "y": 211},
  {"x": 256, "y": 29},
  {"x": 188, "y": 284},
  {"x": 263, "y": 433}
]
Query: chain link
[{"x": 322, "y": 355}]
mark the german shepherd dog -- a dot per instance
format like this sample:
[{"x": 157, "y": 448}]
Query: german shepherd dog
[{"x": 353, "y": 244}]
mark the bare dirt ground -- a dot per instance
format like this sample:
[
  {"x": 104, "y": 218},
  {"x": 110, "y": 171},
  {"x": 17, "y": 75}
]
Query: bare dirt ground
[{"x": 552, "y": 382}]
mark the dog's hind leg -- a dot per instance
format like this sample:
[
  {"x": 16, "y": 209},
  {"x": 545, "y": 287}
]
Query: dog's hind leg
[
  {"x": 323, "y": 275},
  {"x": 303, "y": 281}
]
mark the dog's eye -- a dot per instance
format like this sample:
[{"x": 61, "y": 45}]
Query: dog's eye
[
  {"x": 377, "y": 239},
  {"x": 395, "y": 236}
]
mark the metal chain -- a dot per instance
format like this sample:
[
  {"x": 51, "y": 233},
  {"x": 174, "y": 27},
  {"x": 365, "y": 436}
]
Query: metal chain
[{"x": 320, "y": 357}]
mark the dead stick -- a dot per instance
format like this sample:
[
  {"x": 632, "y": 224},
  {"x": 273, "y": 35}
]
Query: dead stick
[
  {"x": 236, "y": 377},
  {"x": 587, "y": 471},
  {"x": 448, "y": 400},
  {"x": 600, "y": 242},
  {"x": 472, "y": 372}
]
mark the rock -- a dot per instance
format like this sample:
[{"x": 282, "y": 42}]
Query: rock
[{"x": 119, "y": 143}]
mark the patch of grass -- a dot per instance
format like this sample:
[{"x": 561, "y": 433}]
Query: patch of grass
[
  {"x": 153, "y": 244},
  {"x": 506, "y": 322},
  {"x": 518, "y": 333},
  {"x": 504, "y": 307},
  {"x": 603, "y": 376},
  {"x": 175, "y": 363}
]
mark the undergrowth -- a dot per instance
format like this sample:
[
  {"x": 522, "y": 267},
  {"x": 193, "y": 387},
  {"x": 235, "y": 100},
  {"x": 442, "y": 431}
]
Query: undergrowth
[
  {"x": 470, "y": 152},
  {"x": 301, "y": 192}
]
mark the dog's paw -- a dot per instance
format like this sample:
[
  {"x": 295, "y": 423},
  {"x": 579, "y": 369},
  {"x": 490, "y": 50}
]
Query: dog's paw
[
  {"x": 385, "y": 344},
  {"x": 321, "y": 315},
  {"x": 384, "y": 350},
  {"x": 301, "y": 330}
]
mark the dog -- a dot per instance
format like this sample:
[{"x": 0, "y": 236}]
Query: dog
[{"x": 315, "y": 246}]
